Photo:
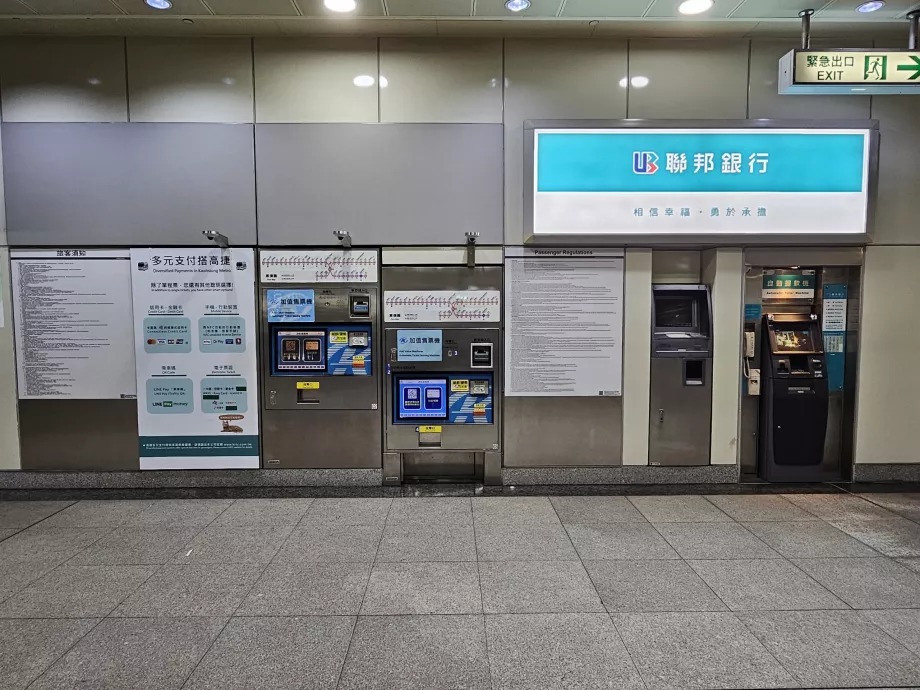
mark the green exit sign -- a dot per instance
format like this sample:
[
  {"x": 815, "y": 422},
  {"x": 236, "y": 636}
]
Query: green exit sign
[{"x": 845, "y": 71}]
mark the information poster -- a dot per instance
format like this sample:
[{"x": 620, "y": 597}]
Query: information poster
[
  {"x": 834, "y": 328},
  {"x": 195, "y": 339},
  {"x": 72, "y": 311},
  {"x": 437, "y": 306},
  {"x": 563, "y": 322}
]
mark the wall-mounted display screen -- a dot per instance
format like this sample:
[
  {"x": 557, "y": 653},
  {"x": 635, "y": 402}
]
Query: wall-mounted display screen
[
  {"x": 300, "y": 350},
  {"x": 421, "y": 399},
  {"x": 674, "y": 313},
  {"x": 798, "y": 340}
]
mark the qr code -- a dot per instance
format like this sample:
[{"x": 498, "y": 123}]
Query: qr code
[{"x": 412, "y": 394}]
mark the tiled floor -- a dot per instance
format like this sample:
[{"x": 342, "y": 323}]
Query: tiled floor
[{"x": 501, "y": 593}]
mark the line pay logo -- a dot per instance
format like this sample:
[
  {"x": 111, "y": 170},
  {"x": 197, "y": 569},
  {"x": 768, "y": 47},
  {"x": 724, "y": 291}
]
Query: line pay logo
[{"x": 645, "y": 162}]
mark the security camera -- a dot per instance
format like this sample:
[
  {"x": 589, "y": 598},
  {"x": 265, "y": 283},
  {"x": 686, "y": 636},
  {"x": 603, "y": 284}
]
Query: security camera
[{"x": 218, "y": 238}]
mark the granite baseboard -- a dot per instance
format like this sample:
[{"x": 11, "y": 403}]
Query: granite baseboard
[
  {"x": 177, "y": 479},
  {"x": 710, "y": 474},
  {"x": 887, "y": 472}
]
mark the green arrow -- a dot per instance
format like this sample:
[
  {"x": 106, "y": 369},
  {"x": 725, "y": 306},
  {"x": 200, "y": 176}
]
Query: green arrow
[{"x": 915, "y": 67}]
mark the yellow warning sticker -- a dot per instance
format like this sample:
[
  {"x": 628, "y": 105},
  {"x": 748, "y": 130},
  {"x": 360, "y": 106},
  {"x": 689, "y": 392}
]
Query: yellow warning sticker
[
  {"x": 429, "y": 430},
  {"x": 307, "y": 385},
  {"x": 479, "y": 406},
  {"x": 338, "y": 337},
  {"x": 460, "y": 386},
  {"x": 357, "y": 361}
]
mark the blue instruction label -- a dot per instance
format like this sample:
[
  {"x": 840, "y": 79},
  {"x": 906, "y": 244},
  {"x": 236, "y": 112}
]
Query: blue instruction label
[
  {"x": 418, "y": 345},
  {"x": 290, "y": 305}
]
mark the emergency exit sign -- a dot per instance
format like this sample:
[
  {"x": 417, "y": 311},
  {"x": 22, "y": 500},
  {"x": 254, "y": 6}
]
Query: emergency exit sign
[{"x": 858, "y": 72}]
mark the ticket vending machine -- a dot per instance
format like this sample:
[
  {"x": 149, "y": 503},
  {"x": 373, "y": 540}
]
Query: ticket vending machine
[
  {"x": 321, "y": 368},
  {"x": 442, "y": 347},
  {"x": 794, "y": 399},
  {"x": 680, "y": 395}
]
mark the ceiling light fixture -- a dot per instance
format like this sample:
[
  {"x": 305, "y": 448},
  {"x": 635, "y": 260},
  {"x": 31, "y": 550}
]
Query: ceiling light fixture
[
  {"x": 695, "y": 6},
  {"x": 873, "y": 6},
  {"x": 517, "y": 5},
  {"x": 639, "y": 82},
  {"x": 363, "y": 80},
  {"x": 159, "y": 4},
  {"x": 340, "y": 5}
]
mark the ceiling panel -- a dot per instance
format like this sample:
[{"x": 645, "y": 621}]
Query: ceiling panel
[
  {"x": 722, "y": 8},
  {"x": 846, "y": 9},
  {"x": 605, "y": 8},
  {"x": 13, "y": 7},
  {"x": 78, "y": 7},
  {"x": 496, "y": 8},
  {"x": 191, "y": 8},
  {"x": 676, "y": 28},
  {"x": 337, "y": 26},
  {"x": 366, "y": 8},
  {"x": 531, "y": 29},
  {"x": 429, "y": 8},
  {"x": 774, "y": 9},
  {"x": 253, "y": 8}
]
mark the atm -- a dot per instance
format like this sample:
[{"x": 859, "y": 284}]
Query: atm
[
  {"x": 680, "y": 395},
  {"x": 794, "y": 398},
  {"x": 442, "y": 342},
  {"x": 320, "y": 363}
]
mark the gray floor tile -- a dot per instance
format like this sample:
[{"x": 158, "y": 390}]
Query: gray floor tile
[
  {"x": 764, "y": 585},
  {"x": 836, "y": 648},
  {"x": 912, "y": 563},
  {"x": 133, "y": 654},
  {"x": 275, "y": 654},
  {"x": 176, "y": 513},
  {"x": 259, "y": 512},
  {"x": 902, "y": 624},
  {"x": 760, "y": 508},
  {"x": 537, "y": 587},
  {"x": 20, "y": 514},
  {"x": 47, "y": 544},
  {"x": 866, "y": 583},
  {"x": 422, "y": 588},
  {"x": 76, "y": 591},
  {"x": 308, "y": 589},
  {"x": 905, "y": 504},
  {"x": 331, "y": 542},
  {"x": 587, "y": 509},
  {"x": 650, "y": 586},
  {"x": 347, "y": 511},
  {"x": 509, "y": 510},
  {"x": 898, "y": 538},
  {"x": 815, "y": 539},
  {"x": 839, "y": 506},
  {"x": 710, "y": 540},
  {"x": 15, "y": 577},
  {"x": 191, "y": 590},
  {"x": 28, "y": 647},
  {"x": 698, "y": 650},
  {"x": 431, "y": 511},
  {"x": 136, "y": 546},
  {"x": 576, "y": 651},
  {"x": 538, "y": 542},
  {"x": 4, "y": 533},
  {"x": 417, "y": 653},
  {"x": 234, "y": 545},
  {"x": 678, "y": 509},
  {"x": 600, "y": 542},
  {"x": 96, "y": 514},
  {"x": 404, "y": 542}
]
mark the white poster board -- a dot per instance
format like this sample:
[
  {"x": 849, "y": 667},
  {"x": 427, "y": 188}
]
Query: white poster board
[
  {"x": 563, "y": 322},
  {"x": 442, "y": 306},
  {"x": 195, "y": 339},
  {"x": 74, "y": 327},
  {"x": 319, "y": 266}
]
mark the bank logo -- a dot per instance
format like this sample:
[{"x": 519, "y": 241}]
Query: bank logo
[{"x": 645, "y": 162}]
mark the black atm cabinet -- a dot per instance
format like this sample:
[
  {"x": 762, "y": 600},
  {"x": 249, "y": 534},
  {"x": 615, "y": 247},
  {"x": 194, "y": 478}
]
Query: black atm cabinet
[{"x": 793, "y": 405}]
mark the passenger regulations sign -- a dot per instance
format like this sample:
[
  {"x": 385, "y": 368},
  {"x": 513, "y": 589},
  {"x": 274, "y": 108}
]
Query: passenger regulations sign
[
  {"x": 700, "y": 181},
  {"x": 195, "y": 342}
]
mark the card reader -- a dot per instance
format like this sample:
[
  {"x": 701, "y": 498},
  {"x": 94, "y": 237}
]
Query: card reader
[
  {"x": 359, "y": 305},
  {"x": 481, "y": 355}
]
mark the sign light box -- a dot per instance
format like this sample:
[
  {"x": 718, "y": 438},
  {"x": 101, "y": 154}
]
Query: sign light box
[
  {"x": 856, "y": 72},
  {"x": 700, "y": 181}
]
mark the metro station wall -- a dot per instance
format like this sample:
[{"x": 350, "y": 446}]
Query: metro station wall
[{"x": 482, "y": 84}]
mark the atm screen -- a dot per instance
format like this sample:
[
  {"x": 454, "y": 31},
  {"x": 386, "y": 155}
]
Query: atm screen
[
  {"x": 674, "y": 312},
  {"x": 794, "y": 341},
  {"x": 422, "y": 399}
]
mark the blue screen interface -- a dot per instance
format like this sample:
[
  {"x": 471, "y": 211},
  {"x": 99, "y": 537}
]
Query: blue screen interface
[{"x": 422, "y": 398}]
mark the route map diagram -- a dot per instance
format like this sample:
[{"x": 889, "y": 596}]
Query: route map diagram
[
  {"x": 324, "y": 266},
  {"x": 429, "y": 306}
]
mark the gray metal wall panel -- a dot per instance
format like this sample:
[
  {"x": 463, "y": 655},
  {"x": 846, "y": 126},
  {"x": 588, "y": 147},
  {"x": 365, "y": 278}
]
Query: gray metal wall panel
[
  {"x": 386, "y": 184},
  {"x": 126, "y": 184}
]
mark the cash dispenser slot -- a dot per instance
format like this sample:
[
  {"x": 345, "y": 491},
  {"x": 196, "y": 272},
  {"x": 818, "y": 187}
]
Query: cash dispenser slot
[{"x": 481, "y": 355}]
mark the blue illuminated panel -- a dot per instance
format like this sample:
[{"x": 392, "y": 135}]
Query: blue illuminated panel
[{"x": 421, "y": 399}]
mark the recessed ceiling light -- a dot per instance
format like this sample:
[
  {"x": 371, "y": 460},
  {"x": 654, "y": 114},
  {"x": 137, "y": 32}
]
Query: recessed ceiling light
[
  {"x": 517, "y": 5},
  {"x": 639, "y": 82},
  {"x": 871, "y": 6},
  {"x": 695, "y": 6},
  {"x": 340, "y": 5},
  {"x": 363, "y": 80},
  {"x": 94, "y": 81},
  {"x": 159, "y": 4}
]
